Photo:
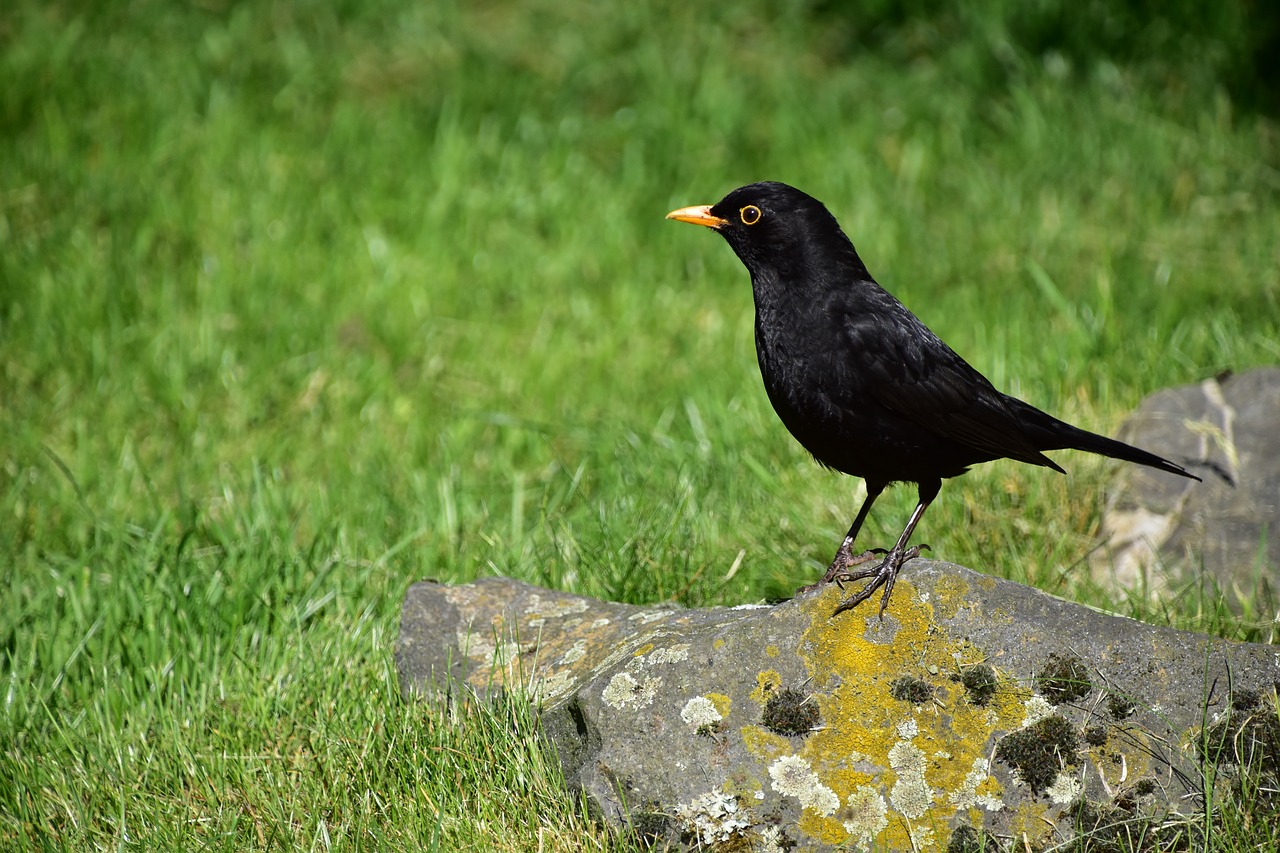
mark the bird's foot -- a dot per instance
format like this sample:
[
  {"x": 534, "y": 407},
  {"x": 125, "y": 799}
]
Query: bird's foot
[
  {"x": 843, "y": 561},
  {"x": 882, "y": 575}
]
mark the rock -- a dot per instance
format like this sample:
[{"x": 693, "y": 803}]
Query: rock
[
  {"x": 978, "y": 710},
  {"x": 1162, "y": 532}
]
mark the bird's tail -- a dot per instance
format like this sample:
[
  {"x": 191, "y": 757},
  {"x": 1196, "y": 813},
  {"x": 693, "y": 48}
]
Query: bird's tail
[{"x": 1049, "y": 433}]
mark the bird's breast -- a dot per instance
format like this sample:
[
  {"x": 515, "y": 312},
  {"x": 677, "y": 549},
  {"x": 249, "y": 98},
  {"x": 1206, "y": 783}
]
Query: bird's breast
[{"x": 805, "y": 385}]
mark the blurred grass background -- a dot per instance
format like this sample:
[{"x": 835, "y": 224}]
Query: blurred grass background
[{"x": 303, "y": 302}]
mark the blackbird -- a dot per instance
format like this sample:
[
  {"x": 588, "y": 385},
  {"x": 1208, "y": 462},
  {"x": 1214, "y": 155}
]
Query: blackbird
[{"x": 865, "y": 386}]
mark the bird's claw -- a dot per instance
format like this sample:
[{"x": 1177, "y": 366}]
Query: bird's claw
[
  {"x": 845, "y": 561},
  {"x": 840, "y": 565},
  {"x": 882, "y": 575},
  {"x": 842, "y": 575}
]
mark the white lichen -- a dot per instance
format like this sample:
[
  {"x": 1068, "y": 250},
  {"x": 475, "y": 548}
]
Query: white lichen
[
  {"x": 548, "y": 688},
  {"x": 864, "y": 815},
  {"x": 922, "y": 836},
  {"x": 967, "y": 796},
  {"x": 623, "y": 691},
  {"x": 497, "y": 654},
  {"x": 675, "y": 654},
  {"x": 990, "y": 802},
  {"x": 908, "y": 729},
  {"x": 1065, "y": 789},
  {"x": 713, "y": 817},
  {"x": 700, "y": 712},
  {"x": 772, "y": 839},
  {"x": 553, "y": 609},
  {"x": 644, "y": 617},
  {"x": 793, "y": 777},
  {"x": 620, "y": 690},
  {"x": 910, "y": 795},
  {"x": 576, "y": 653},
  {"x": 1037, "y": 708},
  {"x": 906, "y": 757}
]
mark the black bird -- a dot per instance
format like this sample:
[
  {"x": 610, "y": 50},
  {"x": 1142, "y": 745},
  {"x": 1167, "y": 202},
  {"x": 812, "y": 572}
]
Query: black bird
[{"x": 861, "y": 383}]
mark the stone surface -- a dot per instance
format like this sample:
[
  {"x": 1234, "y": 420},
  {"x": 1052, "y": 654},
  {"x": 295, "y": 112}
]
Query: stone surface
[
  {"x": 1161, "y": 533},
  {"x": 976, "y": 706}
]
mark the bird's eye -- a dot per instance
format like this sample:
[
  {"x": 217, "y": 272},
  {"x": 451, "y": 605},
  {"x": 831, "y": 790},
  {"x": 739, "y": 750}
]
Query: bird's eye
[{"x": 749, "y": 215}]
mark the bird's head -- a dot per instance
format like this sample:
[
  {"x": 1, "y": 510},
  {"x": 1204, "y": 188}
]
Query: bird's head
[{"x": 775, "y": 229}]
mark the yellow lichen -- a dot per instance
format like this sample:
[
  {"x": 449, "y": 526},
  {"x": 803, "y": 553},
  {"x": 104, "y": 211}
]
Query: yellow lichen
[
  {"x": 722, "y": 702},
  {"x": 951, "y": 592},
  {"x": 1031, "y": 821},
  {"x": 767, "y": 681},
  {"x": 764, "y": 744},
  {"x": 928, "y": 752},
  {"x": 745, "y": 786}
]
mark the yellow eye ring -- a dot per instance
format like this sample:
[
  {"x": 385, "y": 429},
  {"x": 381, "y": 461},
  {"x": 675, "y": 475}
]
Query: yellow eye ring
[{"x": 749, "y": 215}]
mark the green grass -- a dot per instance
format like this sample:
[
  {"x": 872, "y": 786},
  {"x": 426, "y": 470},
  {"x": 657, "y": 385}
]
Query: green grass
[{"x": 302, "y": 303}]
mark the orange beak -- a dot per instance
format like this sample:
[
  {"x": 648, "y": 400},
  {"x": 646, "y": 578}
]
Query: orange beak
[{"x": 699, "y": 215}]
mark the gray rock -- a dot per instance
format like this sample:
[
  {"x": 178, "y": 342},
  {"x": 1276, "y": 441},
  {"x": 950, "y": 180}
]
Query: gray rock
[
  {"x": 1162, "y": 533},
  {"x": 978, "y": 708}
]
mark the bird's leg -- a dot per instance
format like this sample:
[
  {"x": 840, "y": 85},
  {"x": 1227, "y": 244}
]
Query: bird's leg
[
  {"x": 844, "y": 559},
  {"x": 887, "y": 572}
]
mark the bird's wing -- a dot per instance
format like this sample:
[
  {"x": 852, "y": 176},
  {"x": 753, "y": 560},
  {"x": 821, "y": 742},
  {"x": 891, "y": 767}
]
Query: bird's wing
[{"x": 907, "y": 368}]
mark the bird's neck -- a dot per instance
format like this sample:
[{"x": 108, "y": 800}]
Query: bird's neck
[
  {"x": 803, "y": 281},
  {"x": 785, "y": 303},
  {"x": 800, "y": 291}
]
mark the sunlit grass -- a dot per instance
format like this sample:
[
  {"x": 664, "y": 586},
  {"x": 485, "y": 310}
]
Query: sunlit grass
[{"x": 300, "y": 304}]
